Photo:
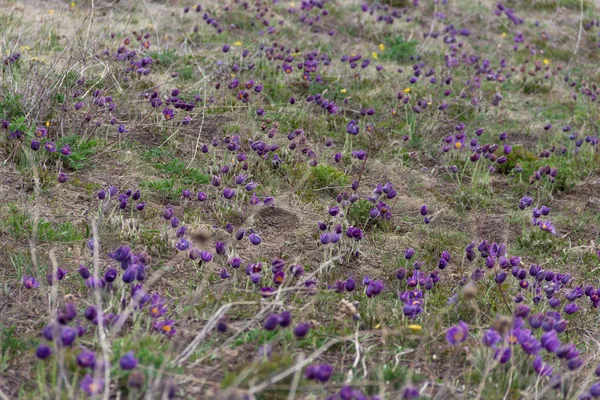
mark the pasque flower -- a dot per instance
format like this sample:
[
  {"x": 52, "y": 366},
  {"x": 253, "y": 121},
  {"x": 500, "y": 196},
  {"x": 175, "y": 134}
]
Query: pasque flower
[
  {"x": 128, "y": 361},
  {"x": 91, "y": 386},
  {"x": 457, "y": 333},
  {"x": 254, "y": 239},
  {"x": 43, "y": 351},
  {"x": 30, "y": 282},
  {"x": 166, "y": 327}
]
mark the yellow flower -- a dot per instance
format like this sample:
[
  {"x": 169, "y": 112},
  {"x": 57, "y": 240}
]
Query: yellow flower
[
  {"x": 377, "y": 326},
  {"x": 381, "y": 47},
  {"x": 232, "y": 76},
  {"x": 47, "y": 123},
  {"x": 343, "y": 90},
  {"x": 546, "y": 61},
  {"x": 407, "y": 90},
  {"x": 415, "y": 328},
  {"x": 503, "y": 34},
  {"x": 292, "y": 4},
  {"x": 374, "y": 55},
  {"x": 72, "y": 4},
  {"x": 237, "y": 44}
]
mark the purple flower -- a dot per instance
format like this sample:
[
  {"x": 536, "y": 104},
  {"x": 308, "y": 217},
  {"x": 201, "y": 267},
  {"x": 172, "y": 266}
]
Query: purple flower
[
  {"x": 410, "y": 393},
  {"x": 550, "y": 341},
  {"x": 30, "y": 282},
  {"x": 491, "y": 338},
  {"x": 157, "y": 306},
  {"x": 168, "y": 214},
  {"x": 42, "y": 352},
  {"x": 503, "y": 354},
  {"x": 182, "y": 245},
  {"x": 228, "y": 193},
  {"x": 457, "y": 333},
  {"x": 86, "y": 359},
  {"x": 350, "y": 284},
  {"x": 571, "y": 308},
  {"x": 285, "y": 319},
  {"x": 91, "y": 386},
  {"x": 575, "y": 363},
  {"x": 68, "y": 335},
  {"x": 62, "y": 177},
  {"x": 224, "y": 274},
  {"x": 206, "y": 256},
  {"x": 128, "y": 361},
  {"x": 271, "y": 322},
  {"x": 166, "y": 327},
  {"x": 320, "y": 373},
  {"x": 301, "y": 330},
  {"x": 66, "y": 150},
  {"x": 254, "y": 239},
  {"x": 374, "y": 288}
]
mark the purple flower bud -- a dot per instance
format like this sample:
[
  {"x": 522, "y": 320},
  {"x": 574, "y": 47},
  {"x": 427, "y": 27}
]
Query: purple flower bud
[
  {"x": 206, "y": 256},
  {"x": 110, "y": 275},
  {"x": 254, "y": 239},
  {"x": 83, "y": 271},
  {"x": 271, "y": 322},
  {"x": 86, "y": 359},
  {"x": 220, "y": 248},
  {"x": 301, "y": 330},
  {"x": 168, "y": 213},
  {"x": 42, "y": 352},
  {"x": 128, "y": 361}
]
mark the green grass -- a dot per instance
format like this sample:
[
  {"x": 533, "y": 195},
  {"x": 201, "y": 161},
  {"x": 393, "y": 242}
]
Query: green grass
[
  {"x": 82, "y": 151},
  {"x": 20, "y": 226},
  {"x": 327, "y": 177},
  {"x": 398, "y": 49},
  {"x": 11, "y": 346}
]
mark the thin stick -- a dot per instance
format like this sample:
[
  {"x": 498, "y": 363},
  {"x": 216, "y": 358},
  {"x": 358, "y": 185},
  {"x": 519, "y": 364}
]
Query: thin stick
[
  {"x": 296, "y": 380},
  {"x": 98, "y": 299},
  {"x": 36, "y": 213}
]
